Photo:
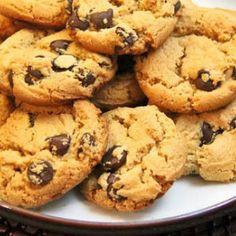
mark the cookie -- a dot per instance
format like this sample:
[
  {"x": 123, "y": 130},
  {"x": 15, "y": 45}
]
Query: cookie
[
  {"x": 47, "y": 152},
  {"x": 58, "y": 70},
  {"x": 123, "y": 26},
  {"x": 12, "y": 48},
  {"x": 47, "y": 13},
  {"x": 6, "y": 107},
  {"x": 123, "y": 90},
  {"x": 8, "y": 26},
  {"x": 216, "y": 24},
  {"x": 211, "y": 141},
  {"x": 144, "y": 156},
  {"x": 189, "y": 74}
]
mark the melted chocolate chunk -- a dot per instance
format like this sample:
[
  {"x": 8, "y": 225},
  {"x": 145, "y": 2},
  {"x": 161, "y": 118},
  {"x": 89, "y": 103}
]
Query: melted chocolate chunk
[
  {"x": 32, "y": 118},
  {"x": 59, "y": 144},
  {"x": 128, "y": 37},
  {"x": 177, "y": 6},
  {"x": 40, "y": 172},
  {"x": 87, "y": 139},
  {"x": 203, "y": 84},
  {"x": 102, "y": 20},
  {"x": 10, "y": 78},
  {"x": 75, "y": 23},
  {"x": 111, "y": 192},
  {"x": 208, "y": 135},
  {"x": 60, "y": 45},
  {"x": 114, "y": 158},
  {"x": 86, "y": 77},
  {"x": 33, "y": 75},
  {"x": 233, "y": 123}
]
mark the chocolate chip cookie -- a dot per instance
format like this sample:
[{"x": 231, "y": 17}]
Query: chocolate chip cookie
[
  {"x": 189, "y": 74},
  {"x": 211, "y": 140},
  {"x": 45, "y": 153},
  {"x": 46, "y": 12},
  {"x": 123, "y": 90},
  {"x": 12, "y": 50},
  {"x": 123, "y": 26},
  {"x": 58, "y": 70},
  {"x": 144, "y": 156},
  {"x": 216, "y": 24}
]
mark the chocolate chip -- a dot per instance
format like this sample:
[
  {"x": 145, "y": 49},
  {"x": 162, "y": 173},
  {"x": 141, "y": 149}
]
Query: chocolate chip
[
  {"x": 111, "y": 192},
  {"x": 40, "y": 172},
  {"x": 177, "y": 6},
  {"x": 234, "y": 73},
  {"x": 86, "y": 77},
  {"x": 75, "y": 23},
  {"x": 69, "y": 7},
  {"x": 105, "y": 65},
  {"x": 33, "y": 76},
  {"x": 203, "y": 82},
  {"x": 59, "y": 144},
  {"x": 128, "y": 37},
  {"x": 60, "y": 45},
  {"x": 233, "y": 123},
  {"x": 208, "y": 135},
  {"x": 87, "y": 139},
  {"x": 32, "y": 117},
  {"x": 10, "y": 78},
  {"x": 114, "y": 158},
  {"x": 102, "y": 20},
  {"x": 64, "y": 62}
]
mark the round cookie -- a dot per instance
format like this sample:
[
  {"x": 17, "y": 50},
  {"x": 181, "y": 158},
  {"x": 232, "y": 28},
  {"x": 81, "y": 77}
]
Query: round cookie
[
  {"x": 144, "y": 156},
  {"x": 12, "y": 48},
  {"x": 211, "y": 141},
  {"x": 58, "y": 70},
  {"x": 6, "y": 107},
  {"x": 123, "y": 26},
  {"x": 45, "y": 153},
  {"x": 189, "y": 74},
  {"x": 44, "y": 12},
  {"x": 216, "y": 24}
]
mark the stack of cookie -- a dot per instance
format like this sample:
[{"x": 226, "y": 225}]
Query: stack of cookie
[{"x": 88, "y": 89}]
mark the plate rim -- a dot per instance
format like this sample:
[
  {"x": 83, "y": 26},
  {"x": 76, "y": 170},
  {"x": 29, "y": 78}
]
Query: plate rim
[{"x": 80, "y": 224}]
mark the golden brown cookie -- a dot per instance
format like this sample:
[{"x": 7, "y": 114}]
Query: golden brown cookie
[
  {"x": 123, "y": 27},
  {"x": 190, "y": 73},
  {"x": 144, "y": 156},
  {"x": 211, "y": 141},
  {"x": 45, "y": 152}
]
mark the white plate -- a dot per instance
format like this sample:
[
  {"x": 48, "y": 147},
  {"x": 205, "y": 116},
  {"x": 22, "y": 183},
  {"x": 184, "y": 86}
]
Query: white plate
[{"x": 187, "y": 195}]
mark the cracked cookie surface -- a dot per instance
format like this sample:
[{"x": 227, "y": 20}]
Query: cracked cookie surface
[
  {"x": 144, "y": 156},
  {"x": 211, "y": 141},
  {"x": 189, "y": 74},
  {"x": 57, "y": 70},
  {"x": 47, "y": 151},
  {"x": 217, "y": 24},
  {"x": 43, "y": 12},
  {"x": 123, "y": 26}
]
